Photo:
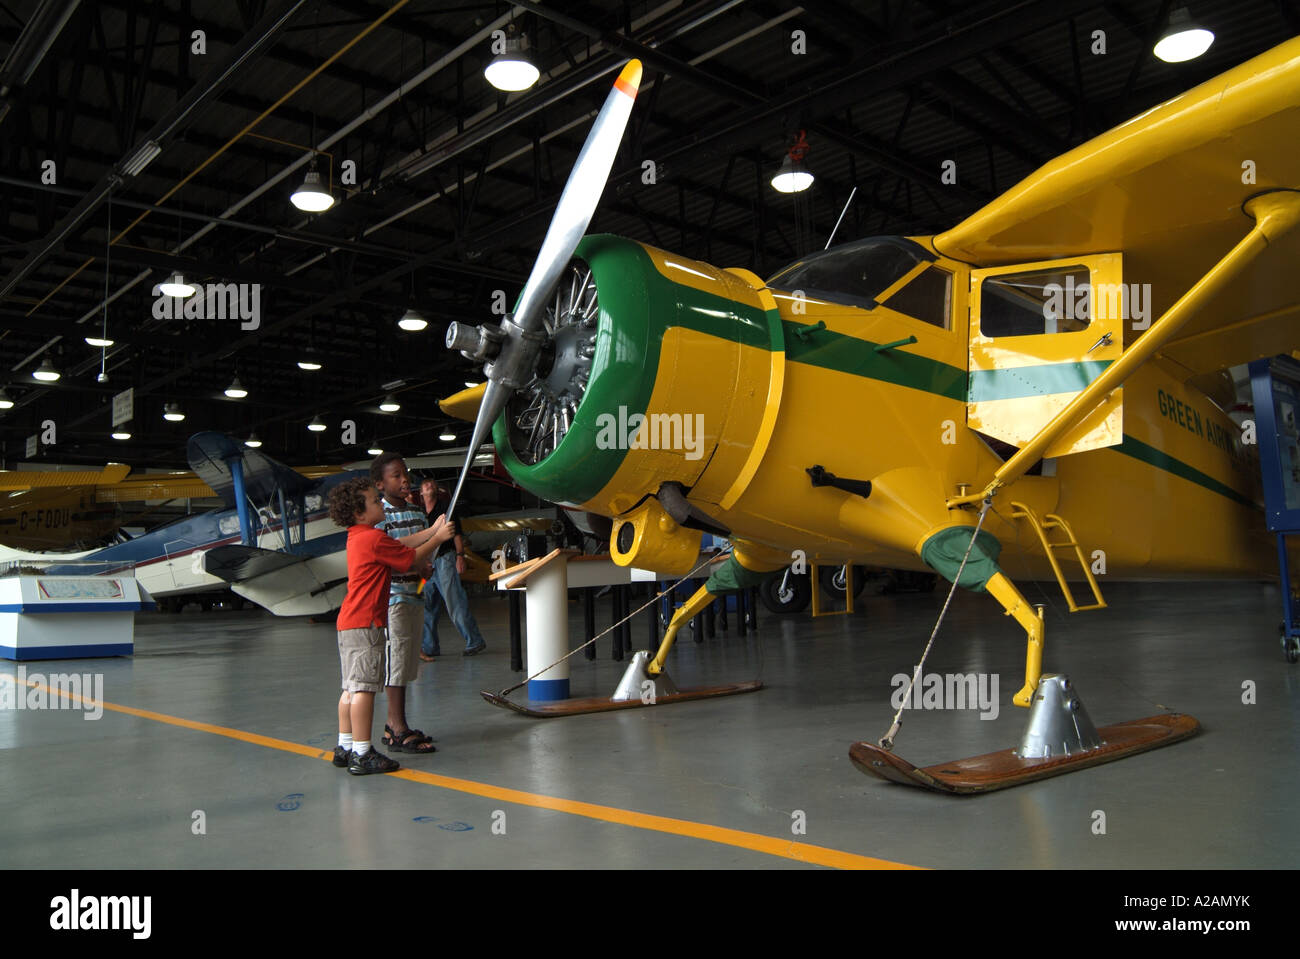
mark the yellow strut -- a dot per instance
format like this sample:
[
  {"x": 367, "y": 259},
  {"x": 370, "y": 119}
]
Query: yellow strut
[
  {"x": 690, "y": 608},
  {"x": 1031, "y": 620}
]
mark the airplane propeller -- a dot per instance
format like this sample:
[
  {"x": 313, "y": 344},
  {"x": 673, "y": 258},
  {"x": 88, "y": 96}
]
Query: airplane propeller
[{"x": 509, "y": 350}]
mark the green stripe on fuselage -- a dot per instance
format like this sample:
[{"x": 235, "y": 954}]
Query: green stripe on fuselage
[
  {"x": 1161, "y": 460},
  {"x": 848, "y": 354},
  {"x": 1018, "y": 382}
]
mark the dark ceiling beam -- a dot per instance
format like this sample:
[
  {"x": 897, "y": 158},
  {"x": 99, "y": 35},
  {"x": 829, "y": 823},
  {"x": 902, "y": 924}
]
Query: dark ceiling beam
[
  {"x": 1014, "y": 126},
  {"x": 404, "y": 22},
  {"x": 184, "y": 113},
  {"x": 282, "y": 53},
  {"x": 863, "y": 77},
  {"x": 29, "y": 50}
]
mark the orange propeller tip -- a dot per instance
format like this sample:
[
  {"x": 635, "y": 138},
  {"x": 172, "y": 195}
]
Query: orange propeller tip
[{"x": 630, "y": 78}]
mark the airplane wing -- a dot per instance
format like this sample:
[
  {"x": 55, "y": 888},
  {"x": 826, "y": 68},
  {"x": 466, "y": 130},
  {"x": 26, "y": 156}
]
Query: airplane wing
[
  {"x": 209, "y": 455},
  {"x": 24, "y": 479},
  {"x": 114, "y": 485},
  {"x": 286, "y": 584},
  {"x": 1166, "y": 188},
  {"x": 234, "y": 562}
]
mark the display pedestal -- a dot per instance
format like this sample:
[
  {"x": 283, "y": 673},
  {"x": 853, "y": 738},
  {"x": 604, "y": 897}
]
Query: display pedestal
[{"x": 68, "y": 616}]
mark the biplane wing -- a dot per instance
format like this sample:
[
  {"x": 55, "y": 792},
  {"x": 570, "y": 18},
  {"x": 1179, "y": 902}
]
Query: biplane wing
[
  {"x": 209, "y": 455},
  {"x": 287, "y": 584},
  {"x": 1167, "y": 189}
]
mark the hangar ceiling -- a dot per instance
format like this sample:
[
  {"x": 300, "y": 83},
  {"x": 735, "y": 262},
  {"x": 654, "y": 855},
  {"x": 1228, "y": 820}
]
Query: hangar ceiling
[{"x": 454, "y": 182}]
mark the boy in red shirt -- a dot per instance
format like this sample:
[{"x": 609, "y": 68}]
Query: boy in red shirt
[{"x": 372, "y": 556}]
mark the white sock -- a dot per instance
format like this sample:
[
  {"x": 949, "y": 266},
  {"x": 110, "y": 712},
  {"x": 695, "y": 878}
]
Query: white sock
[
  {"x": 360, "y": 748},
  {"x": 345, "y": 740}
]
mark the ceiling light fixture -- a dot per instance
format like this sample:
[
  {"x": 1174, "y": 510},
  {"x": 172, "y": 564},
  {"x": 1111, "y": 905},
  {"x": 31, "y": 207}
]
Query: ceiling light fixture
[
  {"x": 142, "y": 158},
  {"x": 470, "y": 385},
  {"x": 512, "y": 69},
  {"x": 389, "y": 404},
  {"x": 412, "y": 321},
  {"x": 176, "y": 286},
  {"x": 1183, "y": 39},
  {"x": 5, "y": 402},
  {"x": 312, "y": 196},
  {"x": 121, "y": 435},
  {"x": 446, "y": 437},
  {"x": 252, "y": 441},
  {"x": 374, "y": 449},
  {"x": 46, "y": 371},
  {"x": 172, "y": 413},
  {"x": 317, "y": 425},
  {"x": 236, "y": 389},
  {"x": 98, "y": 341},
  {"x": 793, "y": 177}
]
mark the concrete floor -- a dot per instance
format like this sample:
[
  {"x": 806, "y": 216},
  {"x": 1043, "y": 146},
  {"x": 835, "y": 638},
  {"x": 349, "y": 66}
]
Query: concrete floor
[{"x": 122, "y": 791}]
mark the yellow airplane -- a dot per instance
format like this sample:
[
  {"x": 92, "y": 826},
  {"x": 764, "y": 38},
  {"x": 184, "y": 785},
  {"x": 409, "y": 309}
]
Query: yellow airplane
[
  {"x": 56, "y": 510},
  {"x": 1037, "y": 384}
]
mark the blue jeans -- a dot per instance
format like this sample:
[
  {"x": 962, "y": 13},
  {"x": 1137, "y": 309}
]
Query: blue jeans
[{"x": 445, "y": 587}]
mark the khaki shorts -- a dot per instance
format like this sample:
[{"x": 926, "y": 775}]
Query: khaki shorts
[
  {"x": 361, "y": 657},
  {"x": 405, "y": 627}
]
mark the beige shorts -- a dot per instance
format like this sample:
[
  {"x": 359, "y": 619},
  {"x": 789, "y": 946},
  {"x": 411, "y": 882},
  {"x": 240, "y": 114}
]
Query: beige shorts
[
  {"x": 405, "y": 628},
  {"x": 361, "y": 657}
]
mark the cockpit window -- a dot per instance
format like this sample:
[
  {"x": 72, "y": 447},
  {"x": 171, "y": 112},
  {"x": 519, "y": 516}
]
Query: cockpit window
[{"x": 854, "y": 274}]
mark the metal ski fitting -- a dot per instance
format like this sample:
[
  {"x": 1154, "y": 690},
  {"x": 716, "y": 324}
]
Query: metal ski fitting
[
  {"x": 638, "y": 684},
  {"x": 1059, "y": 724}
]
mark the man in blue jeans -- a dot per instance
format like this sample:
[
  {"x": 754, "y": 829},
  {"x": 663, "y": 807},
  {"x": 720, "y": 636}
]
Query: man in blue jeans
[{"x": 444, "y": 584}]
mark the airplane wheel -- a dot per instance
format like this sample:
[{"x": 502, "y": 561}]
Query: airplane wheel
[
  {"x": 832, "y": 580},
  {"x": 1290, "y": 645},
  {"x": 793, "y": 599}
]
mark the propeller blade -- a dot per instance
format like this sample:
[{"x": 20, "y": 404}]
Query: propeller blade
[
  {"x": 581, "y": 194},
  {"x": 494, "y": 397},
  {"x": 572, "y": 216}
]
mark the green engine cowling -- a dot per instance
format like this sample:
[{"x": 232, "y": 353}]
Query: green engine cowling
[{"x": 638, "y": 384}]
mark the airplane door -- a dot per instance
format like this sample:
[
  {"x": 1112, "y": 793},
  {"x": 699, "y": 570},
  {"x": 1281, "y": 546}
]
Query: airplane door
[{"x": 1039, "y": 334}]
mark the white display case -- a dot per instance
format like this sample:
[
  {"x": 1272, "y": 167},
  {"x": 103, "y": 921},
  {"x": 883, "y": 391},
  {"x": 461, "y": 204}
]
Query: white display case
[{"x": 54, "y": 609}]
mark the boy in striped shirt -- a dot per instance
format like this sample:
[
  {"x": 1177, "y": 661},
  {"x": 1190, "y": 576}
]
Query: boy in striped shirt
[{"x": 405, "y": 522}]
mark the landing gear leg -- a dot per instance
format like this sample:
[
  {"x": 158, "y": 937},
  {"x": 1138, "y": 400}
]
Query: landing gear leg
[
  {"x": 1031, "y": 620},
  {"x": 690, "y": 608}
]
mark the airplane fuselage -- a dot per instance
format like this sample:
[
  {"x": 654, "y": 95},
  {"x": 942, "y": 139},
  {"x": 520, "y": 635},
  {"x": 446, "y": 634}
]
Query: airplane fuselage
[{"x": 779, "y": 382}]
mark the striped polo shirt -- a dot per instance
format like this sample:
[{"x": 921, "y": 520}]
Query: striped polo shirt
[{"x": 398, "y": 522}]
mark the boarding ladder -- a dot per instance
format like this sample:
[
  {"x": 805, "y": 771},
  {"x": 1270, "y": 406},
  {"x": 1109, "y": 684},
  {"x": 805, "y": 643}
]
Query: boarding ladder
[{"x": 1042, "y": 527}]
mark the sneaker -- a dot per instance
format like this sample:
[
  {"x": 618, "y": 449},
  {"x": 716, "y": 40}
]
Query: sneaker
[
  {"x": 342, "y": 756},
  {"x": 475, "y": 650},
  {"x": 372, "y": 762}
]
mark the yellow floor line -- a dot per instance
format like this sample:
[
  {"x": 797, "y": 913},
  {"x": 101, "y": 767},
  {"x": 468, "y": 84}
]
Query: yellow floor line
[{"x": 786, "y": 848}]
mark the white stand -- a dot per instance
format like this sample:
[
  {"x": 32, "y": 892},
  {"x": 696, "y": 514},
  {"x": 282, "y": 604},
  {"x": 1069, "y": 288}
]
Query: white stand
[{"x": 69, "y": 617}]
